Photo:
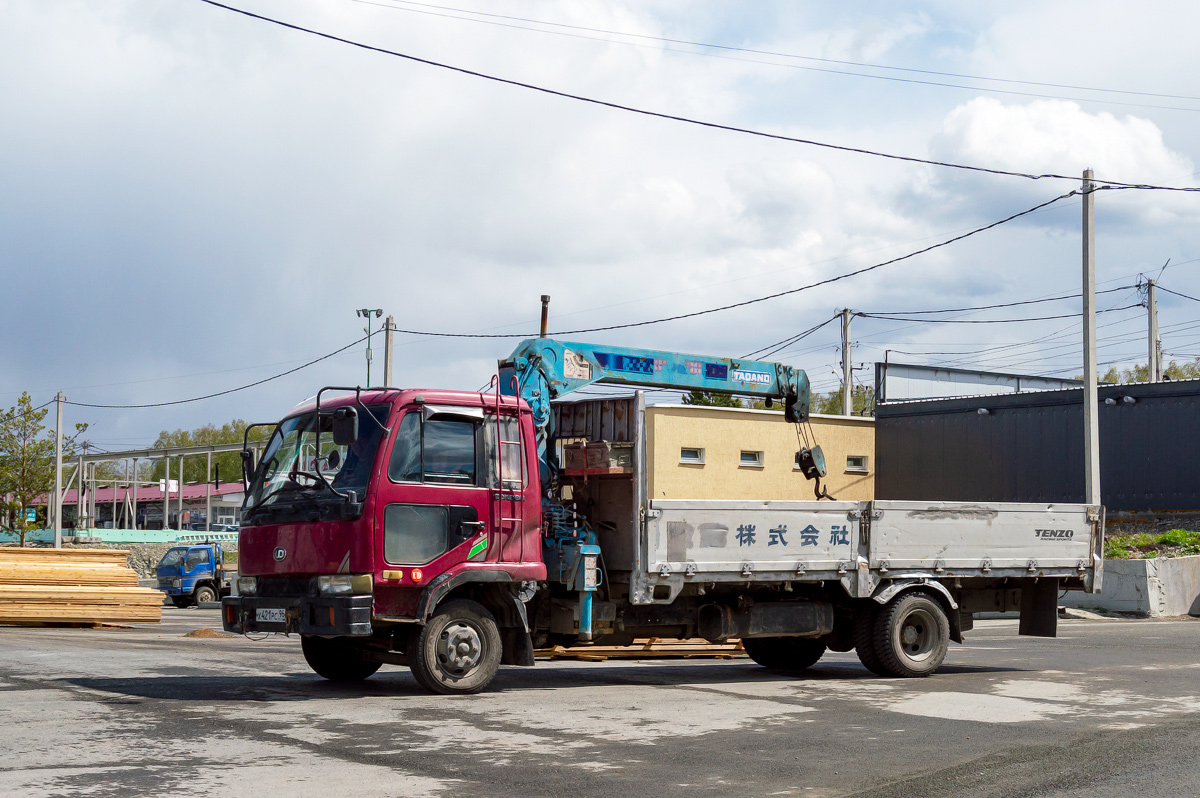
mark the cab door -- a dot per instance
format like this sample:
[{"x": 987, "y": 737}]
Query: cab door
[{"x": 433, "y": 508}]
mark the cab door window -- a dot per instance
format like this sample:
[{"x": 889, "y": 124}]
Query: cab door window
[{"x": 435, "y": 450}]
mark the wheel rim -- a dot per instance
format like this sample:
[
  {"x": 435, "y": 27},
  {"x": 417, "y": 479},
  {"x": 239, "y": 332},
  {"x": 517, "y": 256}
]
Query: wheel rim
[
  {"x": 917, "y": 635},
  {"x": 459, "y": 648}
]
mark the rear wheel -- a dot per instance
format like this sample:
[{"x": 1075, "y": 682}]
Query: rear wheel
[
  {"x": 912, "y": 635},
  {"x": 864, "y": 638},
  {"x": 205, "y": 593},
  {"x": 336, "y": 658},
  {"x": 784, "y": 653},
  {"x": 458, "y": 650}
]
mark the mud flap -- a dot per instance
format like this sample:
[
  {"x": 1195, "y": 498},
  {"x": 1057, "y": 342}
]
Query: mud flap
[
  {"x": 1039, "y": 607},
  {"x": 517, "y": 647}
]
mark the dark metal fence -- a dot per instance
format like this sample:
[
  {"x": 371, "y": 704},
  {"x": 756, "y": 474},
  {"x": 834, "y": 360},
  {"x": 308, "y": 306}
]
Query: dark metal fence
[{"x": 1029, "y": 447}]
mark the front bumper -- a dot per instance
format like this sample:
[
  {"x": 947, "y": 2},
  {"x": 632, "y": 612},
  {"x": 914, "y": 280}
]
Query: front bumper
[{"x": 332, "y": 615}]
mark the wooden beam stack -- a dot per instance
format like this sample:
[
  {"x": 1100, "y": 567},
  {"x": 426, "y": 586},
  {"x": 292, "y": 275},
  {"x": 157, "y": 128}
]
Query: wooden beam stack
[
  {"x": 40, "y": 587},
  {"x": 646, "y": 648}
]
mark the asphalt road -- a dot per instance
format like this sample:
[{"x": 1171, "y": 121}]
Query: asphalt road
[{"x": 1110, "y": 708}]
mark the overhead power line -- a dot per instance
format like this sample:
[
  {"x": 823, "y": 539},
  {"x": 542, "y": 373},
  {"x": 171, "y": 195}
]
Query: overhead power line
[
  {"x": 771, "y": 349},
  {"x": 992, "y": 307},
  {"x": 986, "y": 321},
  {"x": 744, "y": 303},
  {"x": 687, "y": 120},
  {"x": 570, "y": 31},
  {"x": 223, "y": 393},
  {"x": 23, "y": 414},
  {"x": 1176, "y": 293}
]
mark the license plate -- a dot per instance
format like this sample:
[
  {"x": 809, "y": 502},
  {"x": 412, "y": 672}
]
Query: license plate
[{"x": 270, "y": 615}]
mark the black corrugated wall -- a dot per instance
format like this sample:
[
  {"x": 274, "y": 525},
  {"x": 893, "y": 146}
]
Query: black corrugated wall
[{"x": 1029, "y": 447}]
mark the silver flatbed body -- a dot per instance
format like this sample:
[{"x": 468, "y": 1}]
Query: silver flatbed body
[{"x": 863, "y": 545}]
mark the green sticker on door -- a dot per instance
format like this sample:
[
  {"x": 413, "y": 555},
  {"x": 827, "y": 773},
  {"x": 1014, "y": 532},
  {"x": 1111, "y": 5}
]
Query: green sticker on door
[{"x": 479, "y": 547}]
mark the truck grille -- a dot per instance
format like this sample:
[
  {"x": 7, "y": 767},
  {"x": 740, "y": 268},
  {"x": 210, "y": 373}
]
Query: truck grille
[{"x": 286, "y": 586}]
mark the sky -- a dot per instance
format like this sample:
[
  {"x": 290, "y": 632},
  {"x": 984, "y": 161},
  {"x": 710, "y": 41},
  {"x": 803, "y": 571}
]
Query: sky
[{"x": 194, "y": 200}]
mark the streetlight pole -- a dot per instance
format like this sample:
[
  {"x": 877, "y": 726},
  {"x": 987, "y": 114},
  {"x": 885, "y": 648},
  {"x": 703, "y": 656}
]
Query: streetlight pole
[{"x": 366, "y": 313}]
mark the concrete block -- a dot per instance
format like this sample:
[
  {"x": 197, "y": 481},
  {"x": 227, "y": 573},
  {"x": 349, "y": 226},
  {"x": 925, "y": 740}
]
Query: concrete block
[{"x": 1158, "y": 587}]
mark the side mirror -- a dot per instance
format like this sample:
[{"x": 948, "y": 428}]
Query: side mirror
[
  {"x": 811, "y": 462},
  {"x": 247, "y": 468},
  {"x": 345, "y": 426}
]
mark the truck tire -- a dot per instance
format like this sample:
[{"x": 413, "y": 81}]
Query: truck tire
[
  {"x": 336, "y": 658},
  {"x": 790, "y": 654},
  {"x": 205, "y": 593},
  {"x": 458, "y": 650},
  {"x": 912, "y": 635},
  {"x": 864, "y": 638}
]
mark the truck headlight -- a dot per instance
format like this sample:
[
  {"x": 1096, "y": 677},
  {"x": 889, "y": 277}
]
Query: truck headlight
[
  {"x": 344, "y": 584},
  {"x": 247, "y": 585},
  {"x": 177, "y": 583}
]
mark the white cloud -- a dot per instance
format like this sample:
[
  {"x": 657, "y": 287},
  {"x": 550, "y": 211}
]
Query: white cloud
[{"x": 1057, "y": 136}]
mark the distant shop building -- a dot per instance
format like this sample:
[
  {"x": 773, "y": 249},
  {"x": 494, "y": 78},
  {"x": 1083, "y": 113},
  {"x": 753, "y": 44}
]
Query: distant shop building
[{"x": 113, "y": 507}]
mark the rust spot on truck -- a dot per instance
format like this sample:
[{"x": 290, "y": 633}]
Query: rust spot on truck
[{"x": 962, "y": 512}]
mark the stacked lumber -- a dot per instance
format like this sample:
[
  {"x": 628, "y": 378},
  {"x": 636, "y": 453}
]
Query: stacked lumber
[
  {"x": 646, "y": 648},
  {"x": 87, "y": 587}
]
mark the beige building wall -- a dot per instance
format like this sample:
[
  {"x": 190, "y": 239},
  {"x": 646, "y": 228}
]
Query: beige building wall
[{"x": 723, "y": 434}]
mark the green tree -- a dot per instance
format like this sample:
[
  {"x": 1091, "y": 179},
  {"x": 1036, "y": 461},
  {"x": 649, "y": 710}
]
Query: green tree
[
  {"x": 228, "y": 464},
  {"x": 830, "y": 404},
  {"x": 27, "y": 464},
  {"x": 708, "y": 399},
  {"x": 1141, "y": 373}
]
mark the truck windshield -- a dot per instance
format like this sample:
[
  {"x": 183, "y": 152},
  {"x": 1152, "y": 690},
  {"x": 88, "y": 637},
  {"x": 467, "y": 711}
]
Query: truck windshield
[
  {"x": 291, "y": 466},
  {"x": 172, "y": 558}
]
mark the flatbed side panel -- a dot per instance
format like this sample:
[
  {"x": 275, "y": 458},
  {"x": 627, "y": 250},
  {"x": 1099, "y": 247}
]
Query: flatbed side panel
[
  {"x": 923, "y": 536},
  {"x": 715, "y": 540}
]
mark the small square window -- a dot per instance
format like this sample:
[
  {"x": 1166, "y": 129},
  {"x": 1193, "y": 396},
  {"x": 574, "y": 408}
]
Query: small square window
[
  {"x": 857, "y": 463},
  {"x": 750, "y": 459},
  {"x": 692, "y": 455}
]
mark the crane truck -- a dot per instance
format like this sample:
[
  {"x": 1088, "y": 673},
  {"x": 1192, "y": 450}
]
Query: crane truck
[{"x": 442, "y": 531}]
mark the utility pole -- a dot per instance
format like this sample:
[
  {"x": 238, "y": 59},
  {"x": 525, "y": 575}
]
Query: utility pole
[
  {"x": 388, "y": 350},
  {"x": 1091, "y": 414},
  {"x": 847, "y": 372},
  {"x": 1154, "y": 344},
  {"x": 366, "y": 314},
  {"x": 58, "y": 407},
  {"x": 133, "y": 498}
]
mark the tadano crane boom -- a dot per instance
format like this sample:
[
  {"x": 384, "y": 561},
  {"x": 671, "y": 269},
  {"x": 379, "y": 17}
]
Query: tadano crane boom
[{"x": 542, "y": 369}]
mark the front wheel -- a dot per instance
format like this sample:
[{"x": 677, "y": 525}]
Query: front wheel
[
  {"x": 912, "y": 635},
  {"x": 205, "y": 594},
  {"x": 458, "y": 650},
  {"x": 336, "y": 658},
  {"x": 784, "y": 653}
]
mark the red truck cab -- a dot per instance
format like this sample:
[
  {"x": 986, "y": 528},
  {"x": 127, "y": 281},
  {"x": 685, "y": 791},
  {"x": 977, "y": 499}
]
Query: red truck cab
[{"x": 412, "y": 544}]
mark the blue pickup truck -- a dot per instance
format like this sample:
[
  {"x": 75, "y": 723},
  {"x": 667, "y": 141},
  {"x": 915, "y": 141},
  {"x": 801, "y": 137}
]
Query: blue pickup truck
[{"x": 193, "y": 574}]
